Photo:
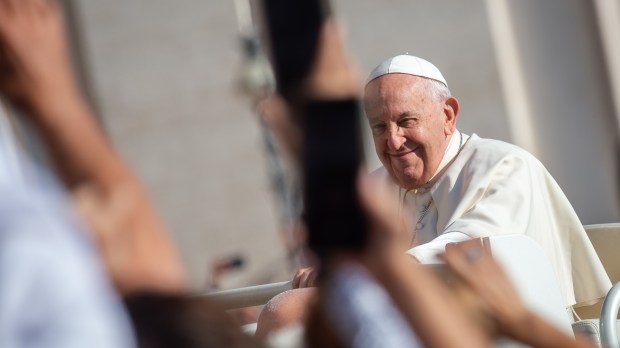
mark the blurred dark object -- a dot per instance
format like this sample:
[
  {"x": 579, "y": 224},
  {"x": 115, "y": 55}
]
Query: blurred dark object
[
  {"x": 233, "y": 262},
  {"x": 332, "y": 158},
  {"x": 332, "y": 146},
  {"x": 293, "y": 29},
  {"x": 256, "y": 80},
  {"x": 222, "y": 266},
  {"x": 171, "y": 321}
]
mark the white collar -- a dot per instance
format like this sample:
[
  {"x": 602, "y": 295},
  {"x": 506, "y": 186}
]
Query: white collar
[{"x": 457, "y": 139}]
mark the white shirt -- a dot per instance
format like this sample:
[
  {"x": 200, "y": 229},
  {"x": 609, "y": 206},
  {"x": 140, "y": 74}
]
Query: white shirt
[{"x": 418, "y": 203}]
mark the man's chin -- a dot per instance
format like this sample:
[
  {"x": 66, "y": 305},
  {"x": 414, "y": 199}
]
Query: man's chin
[
  {"x": 409, "y": 182},
  {"x": 408, "y": 185}
]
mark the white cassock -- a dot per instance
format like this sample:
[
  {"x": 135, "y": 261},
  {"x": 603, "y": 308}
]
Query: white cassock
[{"x": 486, "y": 187}]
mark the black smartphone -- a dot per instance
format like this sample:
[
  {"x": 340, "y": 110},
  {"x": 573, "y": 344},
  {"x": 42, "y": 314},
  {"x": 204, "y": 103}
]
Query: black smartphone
[
  {"x": 332, "y": 146},
  {"x": 293, "y": 27},
  {"x": 332, "y": 158}
]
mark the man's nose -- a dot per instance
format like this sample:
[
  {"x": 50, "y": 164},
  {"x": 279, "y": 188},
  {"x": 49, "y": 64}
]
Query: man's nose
[{"x": 395, "y": 140}]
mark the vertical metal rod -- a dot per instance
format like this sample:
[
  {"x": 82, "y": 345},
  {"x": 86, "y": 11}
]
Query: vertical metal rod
[{"x": 609, "y": 313}]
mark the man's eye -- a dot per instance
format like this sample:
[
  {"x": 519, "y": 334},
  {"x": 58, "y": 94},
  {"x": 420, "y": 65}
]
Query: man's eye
[
  {"x": 378, "y": 128},
  {"x": 408, "y": 122}
]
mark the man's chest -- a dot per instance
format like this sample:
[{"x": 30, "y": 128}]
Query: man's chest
[{"x": 420, "y": 211}]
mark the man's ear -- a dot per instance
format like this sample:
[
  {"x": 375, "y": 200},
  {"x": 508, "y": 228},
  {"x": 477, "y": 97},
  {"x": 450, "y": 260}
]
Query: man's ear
[{"x": 451, "y": 111}]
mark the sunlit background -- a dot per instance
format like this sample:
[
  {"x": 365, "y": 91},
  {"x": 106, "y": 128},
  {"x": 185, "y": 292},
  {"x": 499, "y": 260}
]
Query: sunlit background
[{"x": 163, "y": 76}]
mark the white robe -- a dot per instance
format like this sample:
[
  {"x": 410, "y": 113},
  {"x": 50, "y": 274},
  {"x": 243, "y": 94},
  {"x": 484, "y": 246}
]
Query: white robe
[{"x": 488, "y": 187}]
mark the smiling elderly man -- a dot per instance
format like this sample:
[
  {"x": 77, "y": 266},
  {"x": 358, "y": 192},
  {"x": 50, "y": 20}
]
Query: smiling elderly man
[{"x": 456, "y": 187}]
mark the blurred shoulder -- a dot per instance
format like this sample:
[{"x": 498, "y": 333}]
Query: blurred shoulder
[{"x": 380, "y": 173}]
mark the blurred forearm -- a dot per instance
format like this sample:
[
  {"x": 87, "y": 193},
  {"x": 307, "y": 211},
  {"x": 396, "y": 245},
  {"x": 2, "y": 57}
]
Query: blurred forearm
[
  {"x": 133, "y": 240},
  {"x": 37, "y": 77},
  {"x": 74, "y": 140}
]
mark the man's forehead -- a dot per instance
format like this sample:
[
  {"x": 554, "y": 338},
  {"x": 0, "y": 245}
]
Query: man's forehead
[
  {"x": 394, "y": 95},
  {"x": 393, "y": 83}
]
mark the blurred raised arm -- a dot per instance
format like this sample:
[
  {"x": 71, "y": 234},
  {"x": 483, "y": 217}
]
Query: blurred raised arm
[{"x": 37, "y": 77}]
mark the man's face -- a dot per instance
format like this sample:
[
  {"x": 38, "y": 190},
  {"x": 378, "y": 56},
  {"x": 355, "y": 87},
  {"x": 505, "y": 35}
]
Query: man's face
[{"x": 411, "y": 129}]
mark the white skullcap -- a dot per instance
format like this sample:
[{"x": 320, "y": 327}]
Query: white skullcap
[{"x": 406, "y": 64}]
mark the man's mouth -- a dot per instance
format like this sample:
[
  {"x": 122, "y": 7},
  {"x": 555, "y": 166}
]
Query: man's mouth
[{"x": 401, "y": 154}]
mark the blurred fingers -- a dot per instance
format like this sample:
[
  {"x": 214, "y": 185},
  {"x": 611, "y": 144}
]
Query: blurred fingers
[
  {"x": 389, "y": 230},
  {"x": 272, "y": 110},
  {"x": 275, "y": 113},
  {"x": 296, "y": 279},
  {"x": 304, "y": 278},
  {"x": 465, "y": 258},
  {"x": 376, "y": 200},
  {"x": 303, "y": 283},
  {"x": 312, "y": 279}
]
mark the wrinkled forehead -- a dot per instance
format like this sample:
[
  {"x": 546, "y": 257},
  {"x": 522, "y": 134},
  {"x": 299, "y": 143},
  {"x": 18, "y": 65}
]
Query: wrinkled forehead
[
  {"x": 394, "y": 83},
  {"x": 390, "y": 89}
]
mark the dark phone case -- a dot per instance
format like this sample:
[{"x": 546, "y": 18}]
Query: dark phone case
[{"x": 332, "y": 158}]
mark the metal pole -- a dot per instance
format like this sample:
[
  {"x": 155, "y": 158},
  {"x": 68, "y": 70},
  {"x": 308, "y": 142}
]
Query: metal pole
[{"x": 609, "y": 313}]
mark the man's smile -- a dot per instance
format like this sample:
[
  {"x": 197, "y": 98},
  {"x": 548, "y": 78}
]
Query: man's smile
[{"x": 402, "y": 154}]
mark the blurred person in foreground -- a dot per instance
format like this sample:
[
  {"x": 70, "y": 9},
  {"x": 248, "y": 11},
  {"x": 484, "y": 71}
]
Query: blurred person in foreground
[
  {"x": 473, "y": 263},
  {"x": 54, "y": 291},
  {"x": 36, "y": 77}
]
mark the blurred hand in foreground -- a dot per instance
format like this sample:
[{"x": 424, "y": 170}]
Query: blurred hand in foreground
[
  {"x": 36, "y": 76},
  {"x": 497, "y": 297}
]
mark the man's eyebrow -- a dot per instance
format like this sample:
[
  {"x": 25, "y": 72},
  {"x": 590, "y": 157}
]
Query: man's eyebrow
[
  {"x": 400, "y": 117},
  {"x": 408, "y": 114}
]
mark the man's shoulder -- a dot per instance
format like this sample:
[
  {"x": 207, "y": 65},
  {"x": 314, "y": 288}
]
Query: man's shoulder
[
  {"x": 495, "y": 149},
  {"x": 495, "y": 145}
]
